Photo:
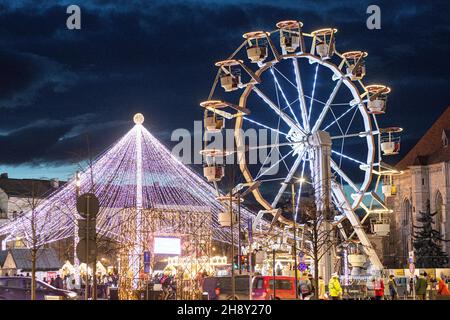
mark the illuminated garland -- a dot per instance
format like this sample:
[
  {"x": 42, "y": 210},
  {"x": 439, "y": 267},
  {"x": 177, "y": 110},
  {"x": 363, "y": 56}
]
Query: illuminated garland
[{"x": 167, "y": 184}]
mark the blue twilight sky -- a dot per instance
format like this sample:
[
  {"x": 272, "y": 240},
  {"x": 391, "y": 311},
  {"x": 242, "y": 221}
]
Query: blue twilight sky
[{"x": 60, "y": 87}]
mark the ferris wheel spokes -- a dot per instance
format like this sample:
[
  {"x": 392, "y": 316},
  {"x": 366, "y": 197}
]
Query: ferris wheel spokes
[
  {"x": 288, "y": 120},
  {"x": 301, "y": 96},
  {"x": 327, "y": 105},
  {"x": 288, "y": 104},
  {"x": 273, "y": 165},
  {"x": 289, "y": 177}
]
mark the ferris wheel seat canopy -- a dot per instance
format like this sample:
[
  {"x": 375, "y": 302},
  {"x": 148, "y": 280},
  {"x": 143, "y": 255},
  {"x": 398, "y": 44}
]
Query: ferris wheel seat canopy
[
  {"x": 391, "y": 130},
  {"x": 215, "y": 104},
  {"x": 255, "y": 35},
  {"x": 378, "y": 88},
  {"x": 228, "y": 63},
  {"x": 324, "y": 32},
  {"x": 354, "y": 55},
  {"x": 218, "y": 153},
  {"x": 289, "y": 24}
]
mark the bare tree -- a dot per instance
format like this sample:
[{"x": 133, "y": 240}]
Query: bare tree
[
  {"x": 319, "y": 237},
  {"x": 33, "y": 226}
]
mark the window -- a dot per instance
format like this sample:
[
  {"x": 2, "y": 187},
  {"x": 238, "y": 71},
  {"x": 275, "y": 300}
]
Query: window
[
  {"x": 16, "y": 283},
  {"x": 406, "y": 212},
  {"x": 406, "y": 229},
  {"x": 438, "y": 216},
  {"x": 444, "y": 139},
  {"x": 258, "y": 283},
  {"x": 27, "y": 284},
  {"x": 280, "y": 284}
]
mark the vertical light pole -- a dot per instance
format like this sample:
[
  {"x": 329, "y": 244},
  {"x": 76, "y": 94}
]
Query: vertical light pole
[
  {"x": 76, "y": 238},
  {"x": 233, "y": 284},
  {"x": 136, "y": 256},
  {"x": 239, "y": 232},
  {"x": 294, "y": 215},
  {"x": 273, "y": 272}
]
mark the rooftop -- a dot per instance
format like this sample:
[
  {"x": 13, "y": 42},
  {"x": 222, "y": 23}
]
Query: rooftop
[
  {"x": 28, "y": 187},
  {"x": 430, "y": 149},
  {"x": 47, "y": 259}
]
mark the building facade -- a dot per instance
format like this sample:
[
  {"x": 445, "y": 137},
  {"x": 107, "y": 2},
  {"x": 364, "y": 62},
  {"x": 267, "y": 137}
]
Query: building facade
[
  {"x": 18, "y": 195},
  {"x": 425, "y": 179}
]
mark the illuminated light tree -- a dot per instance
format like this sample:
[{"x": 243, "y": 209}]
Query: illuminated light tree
[{"x": 135, "y": 175}]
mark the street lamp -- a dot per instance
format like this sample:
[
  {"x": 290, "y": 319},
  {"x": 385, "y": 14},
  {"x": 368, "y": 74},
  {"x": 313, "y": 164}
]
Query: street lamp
[
  {"x": 275, "y": 247},
  {"x": 300, "y": 180},
  {"x": 76, "y": 239},
  {"x": 294, "y": 216}
]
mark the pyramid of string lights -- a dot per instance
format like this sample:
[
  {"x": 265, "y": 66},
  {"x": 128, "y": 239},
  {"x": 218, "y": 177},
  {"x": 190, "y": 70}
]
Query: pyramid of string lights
[{"x": 136, "y": 172}]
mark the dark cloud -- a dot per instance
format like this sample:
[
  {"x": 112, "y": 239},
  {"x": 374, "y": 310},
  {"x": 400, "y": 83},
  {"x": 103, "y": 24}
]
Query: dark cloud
[{"x": 57, "y": 85}]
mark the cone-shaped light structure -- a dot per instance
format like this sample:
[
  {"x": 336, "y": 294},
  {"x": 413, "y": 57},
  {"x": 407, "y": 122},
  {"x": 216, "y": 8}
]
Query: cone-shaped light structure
[{"x": 136, "y": 172}]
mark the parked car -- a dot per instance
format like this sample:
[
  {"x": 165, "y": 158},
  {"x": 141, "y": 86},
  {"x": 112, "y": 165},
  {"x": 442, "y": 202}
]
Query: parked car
[
  {"x": 19, "y": 288},
  {"x": 263, "y": 288},
  {"x": 219, "y": 288}
]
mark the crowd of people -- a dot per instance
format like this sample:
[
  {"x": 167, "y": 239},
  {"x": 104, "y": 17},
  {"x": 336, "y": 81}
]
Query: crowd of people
[
  {"x": 418, "y": 288},
  {"x": 68, "y": 282}
]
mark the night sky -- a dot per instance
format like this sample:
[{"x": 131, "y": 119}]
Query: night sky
[{"x": 61, "y": 90}]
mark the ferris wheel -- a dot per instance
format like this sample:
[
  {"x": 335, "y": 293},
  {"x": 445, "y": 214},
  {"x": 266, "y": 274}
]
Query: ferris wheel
[{"x": 322, "y": 120}]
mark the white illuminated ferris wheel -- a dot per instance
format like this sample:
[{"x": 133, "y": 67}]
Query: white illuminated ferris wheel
[{"x": 311, "y": 97}]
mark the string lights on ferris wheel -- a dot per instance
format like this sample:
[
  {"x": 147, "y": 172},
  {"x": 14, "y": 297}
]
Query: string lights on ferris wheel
[{"x": 311, "y": 132}]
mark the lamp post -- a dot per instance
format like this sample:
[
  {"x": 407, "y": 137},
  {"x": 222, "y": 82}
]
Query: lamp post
[
  {"x": 274, "y": 249},
  {"x": 233, "y": 284},
  {"x": 294, "y": 214},
  {"x": 76, "y": 239}
]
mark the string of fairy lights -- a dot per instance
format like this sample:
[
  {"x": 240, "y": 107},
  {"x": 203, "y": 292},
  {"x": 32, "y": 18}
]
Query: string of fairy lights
[{"x": 166, "y": 184}]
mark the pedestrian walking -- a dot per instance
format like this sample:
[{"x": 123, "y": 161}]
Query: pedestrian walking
[
  {"x": 305, "y": 286},
  {"x": 313, "y": 288},
  {"x": 321, "y": 289},
  {"x": 442, "y": 288},
  {"x": 59, "y": 282},
  {"x": 421, "y": 287},
  {"x": 378, "y": 288},
  {"x": 392, "y": 287},
  {"x": 334, "y": 287}
]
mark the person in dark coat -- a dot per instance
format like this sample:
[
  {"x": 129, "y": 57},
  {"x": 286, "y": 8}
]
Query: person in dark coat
[
  {"x": 421, "y": 287},
  {"x": 59, "y": 282}
]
